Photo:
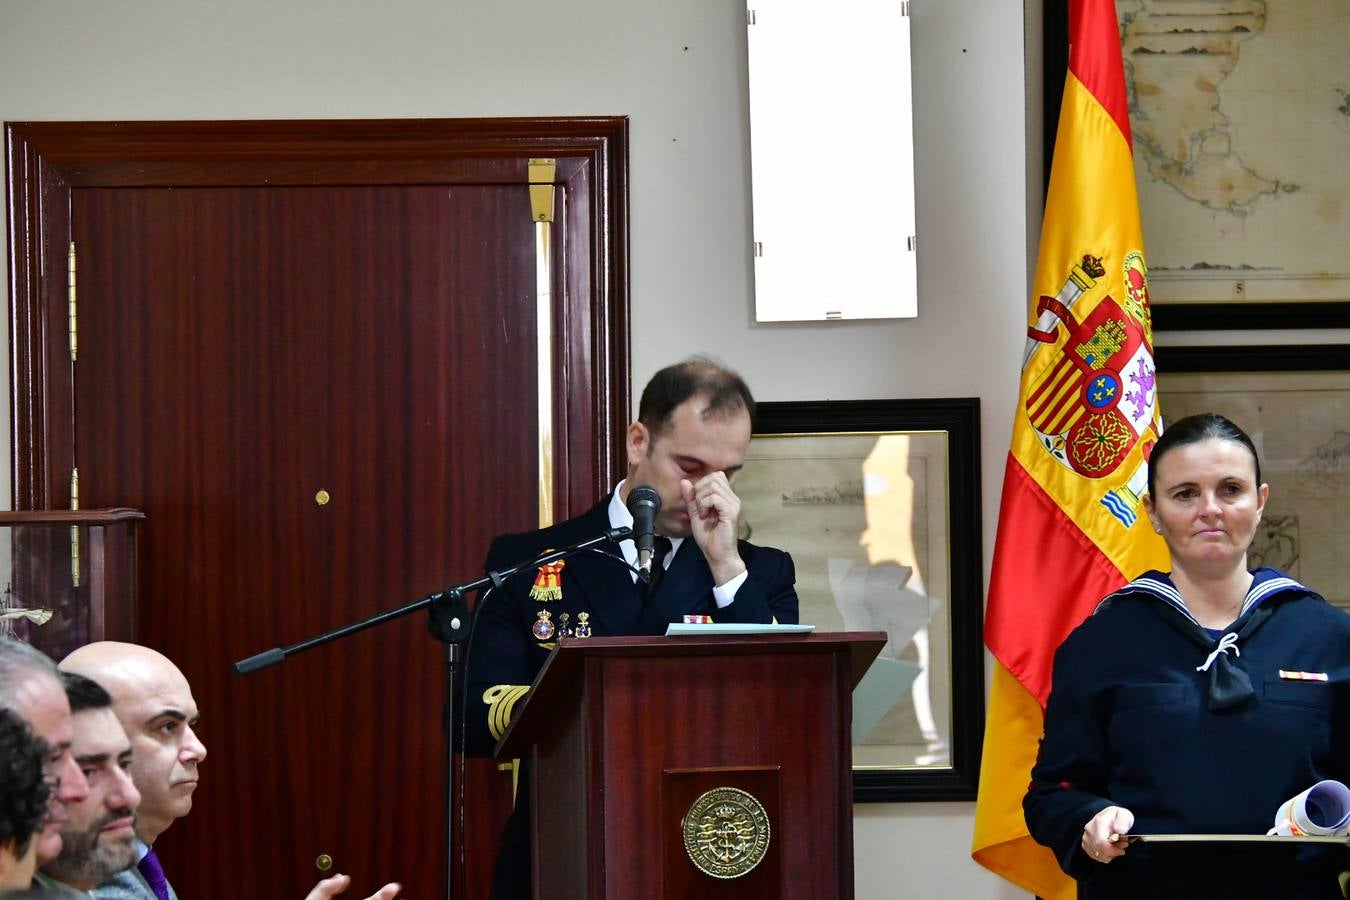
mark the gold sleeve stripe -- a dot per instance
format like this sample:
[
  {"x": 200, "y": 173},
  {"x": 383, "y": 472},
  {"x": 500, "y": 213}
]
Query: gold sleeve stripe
[{"x": 501, "y": 701}]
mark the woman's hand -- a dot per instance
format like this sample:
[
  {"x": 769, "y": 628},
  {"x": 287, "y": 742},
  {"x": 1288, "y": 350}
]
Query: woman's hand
[{"x": 1097, "y": 833}]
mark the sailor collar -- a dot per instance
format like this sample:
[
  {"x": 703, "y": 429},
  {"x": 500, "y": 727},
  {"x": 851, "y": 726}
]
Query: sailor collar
[{"x": 1229, "y": 683}]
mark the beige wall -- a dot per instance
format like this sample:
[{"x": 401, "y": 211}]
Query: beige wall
[{"x": 677, "y": 68}]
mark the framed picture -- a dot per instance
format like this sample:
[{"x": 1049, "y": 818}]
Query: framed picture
[
  {"x": 1295, "y": 404},
  {"x": 878, "y": 501},
  {"x": 1239, "y": 123}
]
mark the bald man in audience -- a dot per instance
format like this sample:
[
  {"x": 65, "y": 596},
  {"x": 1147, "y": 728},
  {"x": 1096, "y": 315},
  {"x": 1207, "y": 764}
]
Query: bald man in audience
[
  {"x": 30, "y": 687},
  {"x": 153, "y": 701},
  {"x": 97, "y": 839}
]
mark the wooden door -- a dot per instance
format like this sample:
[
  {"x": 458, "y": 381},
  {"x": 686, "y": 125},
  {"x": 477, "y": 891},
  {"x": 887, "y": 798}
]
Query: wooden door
[{"x": 319, "y": 379}]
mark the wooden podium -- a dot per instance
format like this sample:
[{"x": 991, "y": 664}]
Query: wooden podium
[{"x": 740, "y": 743}]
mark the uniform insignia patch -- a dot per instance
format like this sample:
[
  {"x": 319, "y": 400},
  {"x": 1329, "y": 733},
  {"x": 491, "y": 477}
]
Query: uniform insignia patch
[
  {"x": 501, "y": 701},
  {"x": 583, "y": 625},
  {"x": 1303, "y": 676},
  {"x": 548, "y": 582},
  {"x": 543, "y": 628}
]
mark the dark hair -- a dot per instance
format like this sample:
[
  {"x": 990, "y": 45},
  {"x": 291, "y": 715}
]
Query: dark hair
[
  {"x": 1193, "y": 429},
  {"x": 697, "y": 376},
  {"x": 84, "y": 693},
  {"x": 23, "y": 789}
]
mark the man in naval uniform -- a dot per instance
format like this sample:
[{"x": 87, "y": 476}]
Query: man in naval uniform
[{"x": 688, "y": 443}]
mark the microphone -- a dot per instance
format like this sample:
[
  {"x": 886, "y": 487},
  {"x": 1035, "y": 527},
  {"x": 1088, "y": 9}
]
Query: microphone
[{"x": 644, "y": 503}]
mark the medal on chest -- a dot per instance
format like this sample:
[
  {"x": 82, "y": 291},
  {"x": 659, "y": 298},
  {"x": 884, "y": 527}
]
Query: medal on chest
[
  {"x": 548, "y": 582},
  {"x": 543, "y": 627}
]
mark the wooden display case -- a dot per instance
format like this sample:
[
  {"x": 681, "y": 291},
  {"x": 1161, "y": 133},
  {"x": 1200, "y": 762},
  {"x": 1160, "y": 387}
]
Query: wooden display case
[{"x": 68, "y": 577}]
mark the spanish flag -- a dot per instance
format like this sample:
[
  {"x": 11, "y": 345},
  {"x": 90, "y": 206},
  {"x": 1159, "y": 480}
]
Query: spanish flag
[{"x": 1071, "y": 526}]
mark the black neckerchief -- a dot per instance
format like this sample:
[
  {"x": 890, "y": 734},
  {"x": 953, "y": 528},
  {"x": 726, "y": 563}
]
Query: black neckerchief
[{"x": 1229, "y": 683}]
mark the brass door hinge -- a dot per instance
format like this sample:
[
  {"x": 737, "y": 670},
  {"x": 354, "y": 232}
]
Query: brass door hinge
[
  {"x": 540, "y": 173},
  {"x": 70, "y": 301},
  {"x": 75, "y": 529}
]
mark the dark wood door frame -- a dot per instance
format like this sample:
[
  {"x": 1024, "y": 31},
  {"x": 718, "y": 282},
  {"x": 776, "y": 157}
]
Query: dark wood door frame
[{"x": 45, "y": 160}]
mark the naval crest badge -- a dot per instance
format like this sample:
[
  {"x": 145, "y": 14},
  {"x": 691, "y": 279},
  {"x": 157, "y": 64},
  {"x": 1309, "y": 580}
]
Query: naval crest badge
[
  {"x": 543, "y": 627},
  {"x": 548, "y": 582},
  {"x": 726, "y": 832}
]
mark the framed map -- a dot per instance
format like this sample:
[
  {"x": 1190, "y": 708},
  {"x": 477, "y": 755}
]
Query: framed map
[
  {"x": 878, "y": 501},
  {"x": 1295, "y": 404},
  {"x": 1240, "y": 113}
]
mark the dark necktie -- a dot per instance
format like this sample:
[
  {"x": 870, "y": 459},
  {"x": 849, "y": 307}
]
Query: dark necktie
[
  {"x": 154, "y": 875},
  {"x": 660, "y": 550}
]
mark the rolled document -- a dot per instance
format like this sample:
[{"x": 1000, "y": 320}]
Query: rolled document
[{"x": 1322, "y": 809}]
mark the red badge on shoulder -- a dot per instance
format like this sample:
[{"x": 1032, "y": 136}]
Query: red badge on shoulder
[{"x": 548, "y": 582}]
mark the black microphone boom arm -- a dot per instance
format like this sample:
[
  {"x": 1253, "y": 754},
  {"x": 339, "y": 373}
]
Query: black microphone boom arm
[{"x": 453, "y": 612}]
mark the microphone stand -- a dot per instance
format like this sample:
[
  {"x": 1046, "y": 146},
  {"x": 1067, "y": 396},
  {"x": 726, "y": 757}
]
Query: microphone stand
[
  {"x": 450, "y": 622},
  {"x": 449, "y": 600}
]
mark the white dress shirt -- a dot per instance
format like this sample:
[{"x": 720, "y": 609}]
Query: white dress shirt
[{"x": 620, "y": 517}]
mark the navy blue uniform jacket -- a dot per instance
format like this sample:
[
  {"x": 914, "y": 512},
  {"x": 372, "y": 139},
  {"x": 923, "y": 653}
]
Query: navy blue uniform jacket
[
  {"x": 510, "y": 644},
  {"x": 1130, "y": 723}
]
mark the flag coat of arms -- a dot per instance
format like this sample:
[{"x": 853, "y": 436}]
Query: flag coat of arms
[{"x": 1071, "y": 528}]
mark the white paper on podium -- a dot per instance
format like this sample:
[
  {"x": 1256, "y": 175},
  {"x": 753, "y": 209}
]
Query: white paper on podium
[
  {"x": 885, "y": 683},
  {"x": 680, "y": 628}
]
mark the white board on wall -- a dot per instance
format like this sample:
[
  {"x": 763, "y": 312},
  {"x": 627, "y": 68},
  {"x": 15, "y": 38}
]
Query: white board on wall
[{"x": 832, "y": 160}]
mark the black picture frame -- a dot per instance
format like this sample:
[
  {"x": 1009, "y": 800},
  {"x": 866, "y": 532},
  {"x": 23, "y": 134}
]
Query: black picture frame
[
  {"x": 1254, "y": 358},
  {"x": 959, "y": 420},
  {"x": 1288, "y": 397},
  {"x": 1174, "y": 316}
]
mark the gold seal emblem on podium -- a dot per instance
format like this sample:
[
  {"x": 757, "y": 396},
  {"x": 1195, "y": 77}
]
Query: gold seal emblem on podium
[{"x": 726, "y": 832}]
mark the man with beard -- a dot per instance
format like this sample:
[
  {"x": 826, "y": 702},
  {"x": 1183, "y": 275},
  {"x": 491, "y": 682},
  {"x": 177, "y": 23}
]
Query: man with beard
[
  {"x": 154, "y": 703},
  {"x": 97, "y": 839},
  {"x": 30, "y": 687}
]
